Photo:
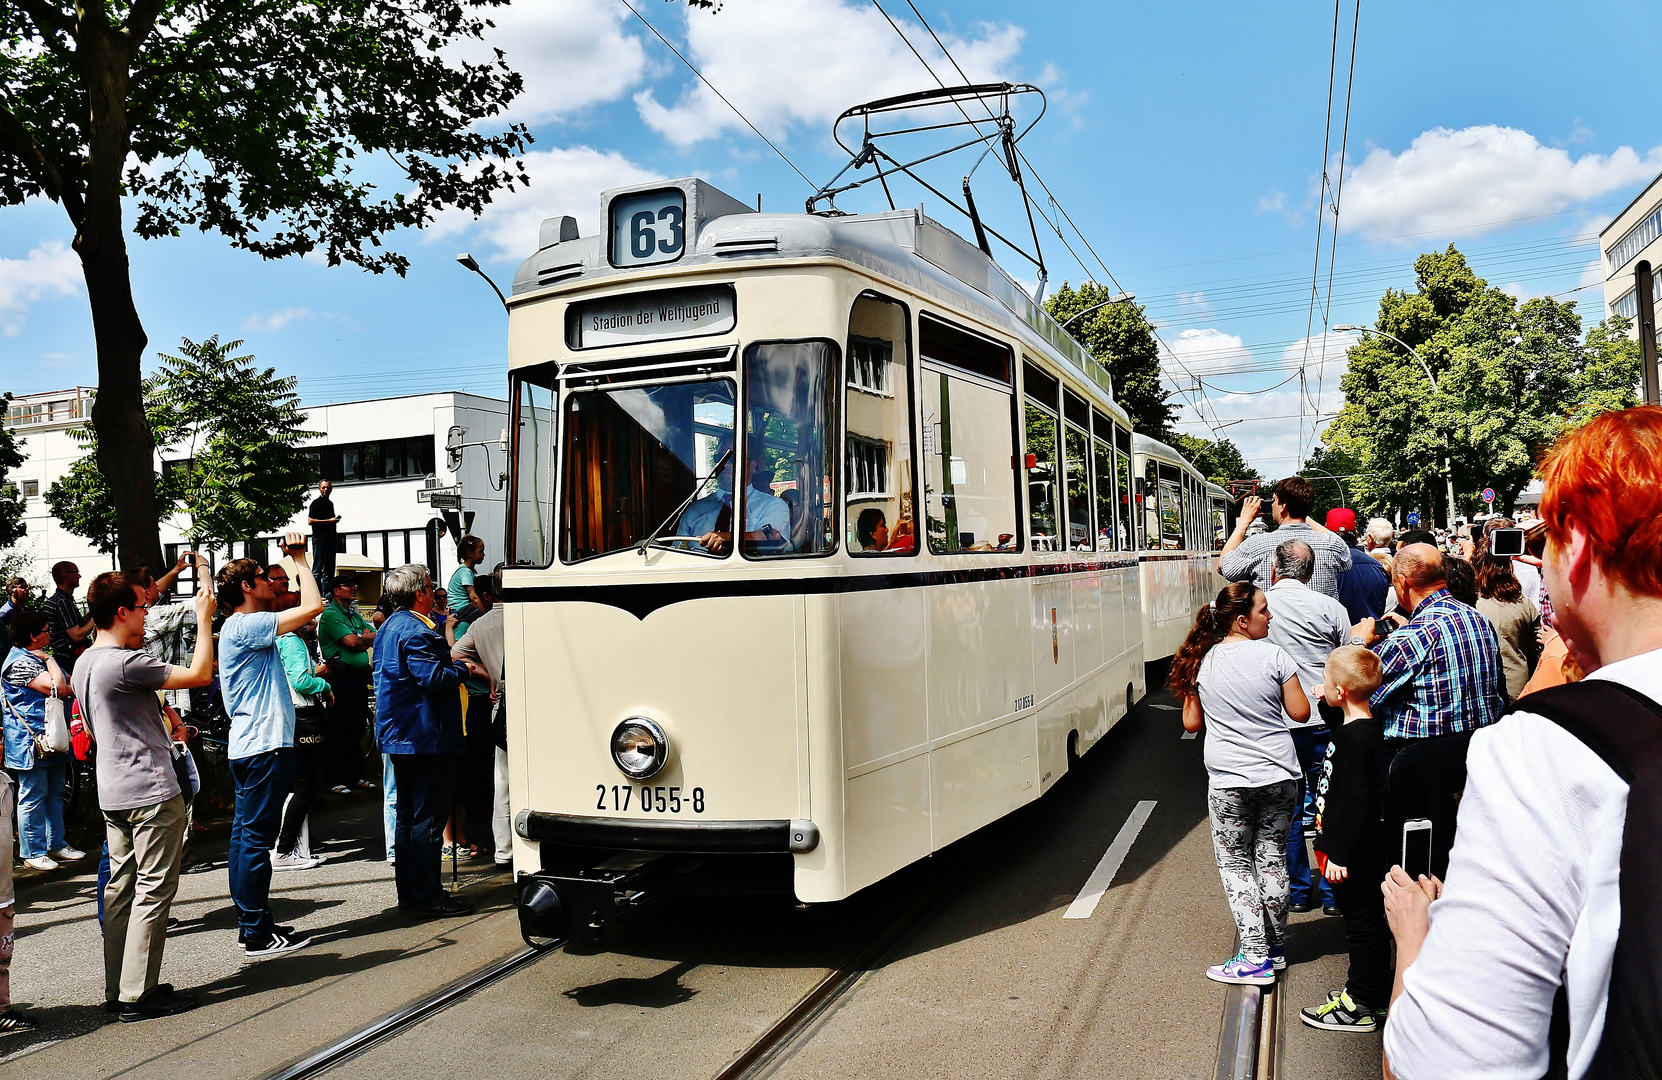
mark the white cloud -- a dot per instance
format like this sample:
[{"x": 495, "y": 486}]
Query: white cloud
[
  {"x": 788, "y": 63},
  {"x": 1273, "y": 203},
  {"x": 1204, "y": 351},
  {"x": 572, "y": 55},
  {"x": 1479, "y": 175},
  {"x": 563, "y": 181},
  {"x": 49, "y": 270},
  {"x": 275, "y": 321}
]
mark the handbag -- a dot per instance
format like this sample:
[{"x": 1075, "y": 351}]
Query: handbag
[
  {"x": 57, "y": 728},
  {"x": 39, "y": 742}
]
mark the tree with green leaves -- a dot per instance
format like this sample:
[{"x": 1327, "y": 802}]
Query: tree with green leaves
[
  {"x": 1122, "y": 340},
  {"x": 1219, "y": 460},
  {"x": 12, "y": 528},
  {"x": 239, "y": 430},
  {"x": 1510, "y": 379},
  {"x": 257, "y": 120},
  {"x": 1332, "y": 474}
]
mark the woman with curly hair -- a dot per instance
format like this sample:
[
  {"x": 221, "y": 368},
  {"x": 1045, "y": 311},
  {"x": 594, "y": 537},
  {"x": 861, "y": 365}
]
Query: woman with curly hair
[{"x": 1242, "y": 689}]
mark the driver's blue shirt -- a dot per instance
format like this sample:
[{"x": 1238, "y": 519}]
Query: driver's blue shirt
[{"x": 761, "y": 509}]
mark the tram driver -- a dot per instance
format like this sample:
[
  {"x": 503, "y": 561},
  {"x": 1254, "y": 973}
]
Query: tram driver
[{"x": 767, "y": 517}]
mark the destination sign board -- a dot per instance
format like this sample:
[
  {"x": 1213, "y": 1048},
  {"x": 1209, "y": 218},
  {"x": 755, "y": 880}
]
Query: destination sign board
[{"x": 662, "y": 315}]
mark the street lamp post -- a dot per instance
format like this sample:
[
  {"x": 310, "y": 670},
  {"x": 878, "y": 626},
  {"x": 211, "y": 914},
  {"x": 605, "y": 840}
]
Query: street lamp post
[
  {"x": 1448, "y": 471},
  {"x": 1122, "y": 298}
]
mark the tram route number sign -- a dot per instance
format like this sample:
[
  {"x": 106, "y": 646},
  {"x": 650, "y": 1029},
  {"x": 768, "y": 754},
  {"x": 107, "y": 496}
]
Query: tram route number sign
[
  {"x": 442, "y": 498},
  {"x": 649, "y": 227}
]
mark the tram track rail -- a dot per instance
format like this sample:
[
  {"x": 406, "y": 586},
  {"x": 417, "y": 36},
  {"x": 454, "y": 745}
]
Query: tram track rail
[
  {"x": 1249, "y": 1045},
  {"x": 399, "y": 1021}
]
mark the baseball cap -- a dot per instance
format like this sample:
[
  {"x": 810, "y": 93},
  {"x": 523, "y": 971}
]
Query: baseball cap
[{"x": 1341, "y": 519}]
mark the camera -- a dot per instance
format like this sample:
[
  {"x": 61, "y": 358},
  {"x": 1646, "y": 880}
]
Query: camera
[{"x": 1506, "y": 542}]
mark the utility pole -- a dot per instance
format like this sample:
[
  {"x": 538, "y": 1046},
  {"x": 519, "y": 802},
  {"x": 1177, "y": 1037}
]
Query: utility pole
[{"x": 1644, "y": 286}]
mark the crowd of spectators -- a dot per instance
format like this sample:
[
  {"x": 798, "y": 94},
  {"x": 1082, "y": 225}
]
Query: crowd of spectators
[
  {"x": 288, "y": 672},
  {"x": 1501, "y": 708}
]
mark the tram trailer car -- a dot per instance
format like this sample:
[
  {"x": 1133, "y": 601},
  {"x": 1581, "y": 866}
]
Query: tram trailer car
[
  {"x": 822, "y": 552},
  {"x": 1185, "y": 523}
]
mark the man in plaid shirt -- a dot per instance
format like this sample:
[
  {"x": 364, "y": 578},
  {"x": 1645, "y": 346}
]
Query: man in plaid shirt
[{"x": 1442, "y": 671}]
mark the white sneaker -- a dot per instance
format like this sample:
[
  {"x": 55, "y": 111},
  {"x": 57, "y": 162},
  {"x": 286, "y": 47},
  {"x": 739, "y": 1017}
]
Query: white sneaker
[
  {"x": 278, "y": 943},
  {"x": 294, "y": 861},
  {"x": 341, "y": 789},
  {"x": 40, "y": 862},
  {"x": 68, "y": 854}
]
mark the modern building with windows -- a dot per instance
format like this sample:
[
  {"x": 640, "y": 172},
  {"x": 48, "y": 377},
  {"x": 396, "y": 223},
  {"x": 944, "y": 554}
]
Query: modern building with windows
[
  {"x": 378, "y": 453},
  {"x": 1634, "y": 235}
]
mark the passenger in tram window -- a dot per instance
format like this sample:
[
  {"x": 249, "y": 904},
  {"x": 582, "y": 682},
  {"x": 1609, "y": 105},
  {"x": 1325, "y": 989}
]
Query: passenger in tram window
[
  {"x": 872, "y": 530},
  {"x": 1242, "y": 689}
]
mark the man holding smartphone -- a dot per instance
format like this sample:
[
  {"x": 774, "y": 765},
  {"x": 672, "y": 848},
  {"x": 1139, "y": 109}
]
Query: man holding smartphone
[
  {"x": 261, "y": 747},
  {"x": 1540, "y": 955}
]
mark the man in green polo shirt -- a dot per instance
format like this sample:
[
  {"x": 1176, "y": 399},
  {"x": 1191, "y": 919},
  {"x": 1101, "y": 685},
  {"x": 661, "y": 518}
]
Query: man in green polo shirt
[{"x": 344, "y": 637}]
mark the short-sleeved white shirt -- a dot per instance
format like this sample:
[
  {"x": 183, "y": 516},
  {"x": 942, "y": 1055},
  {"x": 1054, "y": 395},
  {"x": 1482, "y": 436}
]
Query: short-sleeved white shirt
[{"x": 1532, "y": 902}]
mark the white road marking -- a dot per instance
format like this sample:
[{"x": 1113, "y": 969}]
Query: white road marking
[
  {"x": 1190, "y": 734},
  {"x": 1103, "y": 876}
]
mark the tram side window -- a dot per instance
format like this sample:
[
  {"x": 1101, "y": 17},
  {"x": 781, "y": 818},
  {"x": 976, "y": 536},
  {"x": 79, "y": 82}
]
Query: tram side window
[
  {"x": 1151, "y": 504},
  {"x": 1081, "y": 537},
  {"x": 1044, "y": 474},
  {"x": 1220, "y": 524},
  {"x": 533, "y": 504},
  {"x": 1171, "y": 516},
  {"x": 969, "y": 486},
  {"x": 1127, "y": 474},
  {"x": 1107, "y": 495},
  {"x": 790, "y": 405},
  {"x": 880, "y": 513}
]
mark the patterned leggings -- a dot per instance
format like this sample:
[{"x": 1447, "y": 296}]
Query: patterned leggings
[{"x": 1249, "y": 838}]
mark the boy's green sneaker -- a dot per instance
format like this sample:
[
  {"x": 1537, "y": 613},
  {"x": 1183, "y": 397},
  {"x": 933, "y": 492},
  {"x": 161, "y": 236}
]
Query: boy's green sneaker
[{"x": 1340, "y": 1014}]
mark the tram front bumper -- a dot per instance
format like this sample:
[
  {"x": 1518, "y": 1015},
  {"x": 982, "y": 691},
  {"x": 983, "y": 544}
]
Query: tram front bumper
[{"x": 795, "y": 837}]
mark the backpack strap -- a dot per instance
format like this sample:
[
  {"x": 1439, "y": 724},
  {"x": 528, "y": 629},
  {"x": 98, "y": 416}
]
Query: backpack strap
[{"x": 1624, "y": 728}]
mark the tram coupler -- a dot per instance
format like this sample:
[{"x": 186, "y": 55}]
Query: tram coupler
[{"x": 577, "y": 906}]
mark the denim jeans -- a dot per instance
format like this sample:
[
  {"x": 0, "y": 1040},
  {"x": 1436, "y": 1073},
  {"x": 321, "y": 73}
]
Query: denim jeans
[
  {"x": 40, "y": 795},
  {"x": 425, "y": 784},
  {"x": 389, "y": 803},
  {"x": 261, "y": 782},
  {"x": 1311, "y": 744}
]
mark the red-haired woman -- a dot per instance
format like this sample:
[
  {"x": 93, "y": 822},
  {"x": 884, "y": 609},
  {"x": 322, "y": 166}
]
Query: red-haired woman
[{"x": 1242, "y": 688}]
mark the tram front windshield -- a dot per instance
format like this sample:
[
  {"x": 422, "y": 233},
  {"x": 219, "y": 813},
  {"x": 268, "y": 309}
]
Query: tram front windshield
[
  {"x": 660, "y": 462},
  {"x": 633, "y": 456}
]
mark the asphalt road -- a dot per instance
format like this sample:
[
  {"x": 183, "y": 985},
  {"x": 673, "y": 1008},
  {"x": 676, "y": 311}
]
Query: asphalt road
[{"x": 991, "y": 981}]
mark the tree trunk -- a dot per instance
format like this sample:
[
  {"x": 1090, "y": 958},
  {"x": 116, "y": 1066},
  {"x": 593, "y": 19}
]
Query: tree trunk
[{"x": 126, "y": 450}]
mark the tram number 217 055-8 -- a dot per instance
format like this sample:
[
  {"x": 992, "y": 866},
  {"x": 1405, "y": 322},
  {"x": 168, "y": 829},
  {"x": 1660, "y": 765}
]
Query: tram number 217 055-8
[{"x": 651, "y": 800}]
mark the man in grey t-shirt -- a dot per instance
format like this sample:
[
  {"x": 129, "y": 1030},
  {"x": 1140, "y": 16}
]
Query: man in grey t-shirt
[
  {"x": 1308, "y": 626},
  {"x": 144, "y": 810},
  {"x": 1250, "y": 558}
]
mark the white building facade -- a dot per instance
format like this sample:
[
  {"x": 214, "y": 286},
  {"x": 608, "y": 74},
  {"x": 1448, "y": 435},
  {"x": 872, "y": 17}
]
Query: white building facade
[
  {"x": 378, "y": 453},
  {"x": 1634, "y": 235}
]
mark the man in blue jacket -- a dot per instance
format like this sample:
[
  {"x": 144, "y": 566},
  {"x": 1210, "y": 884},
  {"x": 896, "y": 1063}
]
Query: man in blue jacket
[{"x": 418, "y": 721}]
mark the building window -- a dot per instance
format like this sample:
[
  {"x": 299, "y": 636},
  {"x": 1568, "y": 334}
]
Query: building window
[
  {"x": 387, "y": 459},
  {"x": 31, "y": 489},
  {"x": 1635, "y": 240},
  {"x": 868, "y": 468}
]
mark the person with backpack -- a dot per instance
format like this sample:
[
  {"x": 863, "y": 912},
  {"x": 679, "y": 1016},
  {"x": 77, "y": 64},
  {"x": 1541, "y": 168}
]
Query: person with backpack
[
  {"x": 1242, "y": 689},
  {"x": 1542, "y": 953}
]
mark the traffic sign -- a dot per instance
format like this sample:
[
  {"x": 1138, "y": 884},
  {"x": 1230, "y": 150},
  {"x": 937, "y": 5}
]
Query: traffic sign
[
  {"x": 442, "y": 498},
  {"x": 1413, "y": 520},
  {"x": 1488, "y": 495}
]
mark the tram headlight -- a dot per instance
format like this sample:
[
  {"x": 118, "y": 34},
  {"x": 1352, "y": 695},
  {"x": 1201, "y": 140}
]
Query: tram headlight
[{"x": 639, "y": 747}]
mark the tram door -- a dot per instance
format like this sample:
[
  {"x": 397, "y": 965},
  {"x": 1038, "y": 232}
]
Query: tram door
[{"x": 1051, "y": 615}]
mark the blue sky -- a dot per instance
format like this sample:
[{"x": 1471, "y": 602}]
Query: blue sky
[{"x": 1185, "y": 141}]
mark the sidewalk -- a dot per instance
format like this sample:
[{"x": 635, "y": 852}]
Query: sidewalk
[{"x": 366, "y": 959}]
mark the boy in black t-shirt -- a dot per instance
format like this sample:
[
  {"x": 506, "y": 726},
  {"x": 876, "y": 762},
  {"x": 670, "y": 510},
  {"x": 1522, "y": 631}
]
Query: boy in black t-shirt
[{"x": 1352, "y": 846}]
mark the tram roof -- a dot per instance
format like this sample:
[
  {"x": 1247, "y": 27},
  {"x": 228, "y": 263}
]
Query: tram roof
[
  {"x": 1143, "y": 444},
  {"x": 904, "y": 245}
]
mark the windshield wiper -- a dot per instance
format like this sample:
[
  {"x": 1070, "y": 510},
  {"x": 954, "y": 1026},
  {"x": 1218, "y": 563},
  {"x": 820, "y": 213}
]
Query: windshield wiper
[{"x": 675, "y": 515}]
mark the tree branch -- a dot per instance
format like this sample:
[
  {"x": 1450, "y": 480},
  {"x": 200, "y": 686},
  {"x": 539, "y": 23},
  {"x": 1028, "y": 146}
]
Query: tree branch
[
  {"x": 47, "y": 18},
  {"x": 15, "y": 137},
  {"x": 140, "y": 21}
]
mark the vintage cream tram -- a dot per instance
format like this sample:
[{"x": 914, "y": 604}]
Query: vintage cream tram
[
  {"x": 1186, "y": 520},
  {"x": 823, "y": 551}
]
